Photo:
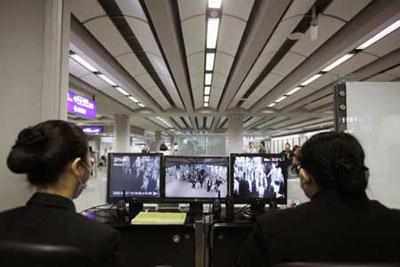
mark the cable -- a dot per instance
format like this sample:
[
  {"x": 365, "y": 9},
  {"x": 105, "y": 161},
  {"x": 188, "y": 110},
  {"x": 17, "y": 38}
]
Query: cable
[{"x": 96, "y": 207}]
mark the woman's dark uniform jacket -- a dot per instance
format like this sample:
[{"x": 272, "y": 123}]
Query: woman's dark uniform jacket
[
  {"x": 329, "y": 228},
  {"x": 52, "y": 219}
]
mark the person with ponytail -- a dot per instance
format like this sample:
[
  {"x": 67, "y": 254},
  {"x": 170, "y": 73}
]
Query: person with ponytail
[
  {"x": 55, "y": 157},
  {"x": 339, "y": 224}
]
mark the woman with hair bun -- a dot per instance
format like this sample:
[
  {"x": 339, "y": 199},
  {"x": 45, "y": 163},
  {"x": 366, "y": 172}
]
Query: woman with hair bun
[
  {"x": 339, "y": 224},
  {"x": 55, "y": 156}
]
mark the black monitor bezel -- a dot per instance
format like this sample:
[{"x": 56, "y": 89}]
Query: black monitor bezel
[
  {"x": 247, "y": 200},
  {"x": 189, "y": 199},
  {"x": 136, "y": 199}
]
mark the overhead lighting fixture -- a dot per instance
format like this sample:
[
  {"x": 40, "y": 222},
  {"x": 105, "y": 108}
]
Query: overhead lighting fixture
[
  {"x": 293, "y": 91},
  {"x": 206, "y": 98},
  {"x": 338, "y": 62},
  {"x": 212, "y": 32},
  {"x": 214, "y": 3},
  {"x": 208, "y": 78},
  {"x": 280, "y": 99},
  {"x": 141, "y": 105},
  {"x": 205, "y": 104},
  {"x": 271, "y": 105},
  {"x": 310, "y": 80},
  {"x": 207, "y": 90},
  {"x": 106, "y": 79},
  {"x": 83, "y": 62},
  {"x": 122, "y": 91},
  {"x": 133, "y": 99},
  {"x": 210, "y": 61},
  {"x": 380, "y": 35}
]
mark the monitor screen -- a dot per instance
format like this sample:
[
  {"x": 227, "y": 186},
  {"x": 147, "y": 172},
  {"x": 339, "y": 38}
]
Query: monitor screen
[
  {"x": 136, "y": 174},
  {"x": 196, "y": 177},
  {"x": 259, "y": 176}
]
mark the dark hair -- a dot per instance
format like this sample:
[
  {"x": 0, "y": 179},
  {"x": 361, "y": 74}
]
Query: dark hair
[
  {"x": 335, "y": 161},
  {"x": 43, "y": 151},
  {"x": 263, "y": 143}
]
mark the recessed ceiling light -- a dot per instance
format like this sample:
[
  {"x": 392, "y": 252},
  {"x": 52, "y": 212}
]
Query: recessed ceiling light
[
  {"x": 210, "y": 61},
  {"x": 280, "y": 99},
  {"x": 141, "y": 105},
  {"x": 207, "y": 90},
  {"x": 133, "y": 99},
  {"x": 106, "y": 79},
  {"x": 212, "y": 32},
  {"x": 214, "y": 3},
  {"x": 337, "y": 62},
  {"x": 122, "y": 91},
  {"x": 83, "y": 62},
  {"x": 380, "y": 35},
  {"x": 293, "y": 91},
  {"x": 208, "y": 78},
  {"x": 206, "y": 98},
  {"x": 205, "y": 104},
  {"x": 271, "y": 105},
  {"x": 310, "y": 80}
]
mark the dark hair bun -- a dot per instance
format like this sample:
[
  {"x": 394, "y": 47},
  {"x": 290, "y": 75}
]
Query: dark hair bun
[
  {"x": 350, "y": 176},
  {"x": 42, "y": 151}
]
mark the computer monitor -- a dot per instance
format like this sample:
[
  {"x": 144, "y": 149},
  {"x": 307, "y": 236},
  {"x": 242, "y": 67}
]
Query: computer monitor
[
  {"x": 138, "y": 175},
  {"x": 259, "y": 177},
  {"x": 195, "y": 179}
]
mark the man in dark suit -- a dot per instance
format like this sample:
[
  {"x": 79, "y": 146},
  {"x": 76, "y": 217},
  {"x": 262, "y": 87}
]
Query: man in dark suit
[{"x": 340, "y": 223}]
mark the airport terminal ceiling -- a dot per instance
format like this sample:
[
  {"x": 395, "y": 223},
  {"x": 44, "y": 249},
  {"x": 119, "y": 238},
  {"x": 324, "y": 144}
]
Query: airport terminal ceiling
[{"x": 187, "y": 65}]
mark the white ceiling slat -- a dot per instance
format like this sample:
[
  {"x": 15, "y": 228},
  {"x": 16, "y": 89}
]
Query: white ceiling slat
[
  {"x": 209, "y": 121},
  {"x": 252, "y": 121},
  {"x": 383, "y": 77},
  {"x": 200, "y": 122},
  {"x": 194, "y": 34},
  {"x": 108, "y": 35},
  {"x": 132, "y": 64},
  {"x": 77, "y": 69},
  {"x": 144, "y": 35},
  {"x": 346, "y": 9},
  {"x": 386, "y": 45},
  {"x": 394, "y": 72},
  {"x": 131, "y": 8},
  {"x": 190, "y": 8},
  {"x": 238, "y": 8},
  {"x": 288, "y": 63},
  {"x": 90, "y": 9},
  {"x": 354, "y": 63},
  {"x": 327, "y": 26},
  {"x": 218, "y": 83},
  {"x": 145, "y": 81},
  {"x": 321, "y": 102},
  {"x": 292, "y": 99},
  {"x": 230, "y": 34}
]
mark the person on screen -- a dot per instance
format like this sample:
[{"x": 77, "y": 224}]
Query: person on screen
[
  {"x": 340, "y": 223},
  {"x": 55, "y": 156}
]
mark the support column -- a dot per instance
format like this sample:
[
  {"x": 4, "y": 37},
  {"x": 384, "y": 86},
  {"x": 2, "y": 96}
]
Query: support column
[
  {"x": 235, "y": 133},
  {"x": 122, "y": 133},
  {"x": 34, "y": 75},
  {"x": 157, "y": 140}
]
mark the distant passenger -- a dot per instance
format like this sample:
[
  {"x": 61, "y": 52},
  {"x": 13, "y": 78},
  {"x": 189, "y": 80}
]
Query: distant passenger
[
  {"x": 340, "y": 223},
  {"x": 261, "y": 148},
  {"x": 251, "y": 149},
  {"x": 55, "y": 156}
]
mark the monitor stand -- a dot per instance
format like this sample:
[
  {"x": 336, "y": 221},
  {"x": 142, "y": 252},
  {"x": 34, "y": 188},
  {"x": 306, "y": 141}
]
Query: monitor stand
[
  {"x": 134, "y": 208},
  {"x": 272, "y": 205},
  {"x": 195, "y": 210},
  {"x": 256, "y": 208}
]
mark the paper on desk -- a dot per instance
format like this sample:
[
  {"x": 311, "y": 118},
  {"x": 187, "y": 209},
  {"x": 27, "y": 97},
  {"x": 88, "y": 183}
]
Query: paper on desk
[{"x": 159, "y": 218}]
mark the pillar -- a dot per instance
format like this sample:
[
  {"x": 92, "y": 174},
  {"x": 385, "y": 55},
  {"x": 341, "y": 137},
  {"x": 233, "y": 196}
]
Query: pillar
[
  {"x": 34, "y": 78},
  {"x": 157, "y": 140},
  {"x": 122, "y": 133},
  {"x": 235, "y": 133}
]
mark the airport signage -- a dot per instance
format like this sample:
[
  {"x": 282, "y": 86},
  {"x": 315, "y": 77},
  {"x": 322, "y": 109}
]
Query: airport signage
[
  {"x": 93, "y": 129},
  {"x": 81, "y": 106}
]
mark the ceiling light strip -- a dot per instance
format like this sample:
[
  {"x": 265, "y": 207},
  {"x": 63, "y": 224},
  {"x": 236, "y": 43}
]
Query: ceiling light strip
[
  {"x": 213, "y": 13},
  {"x": 102, "y": 76}
]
